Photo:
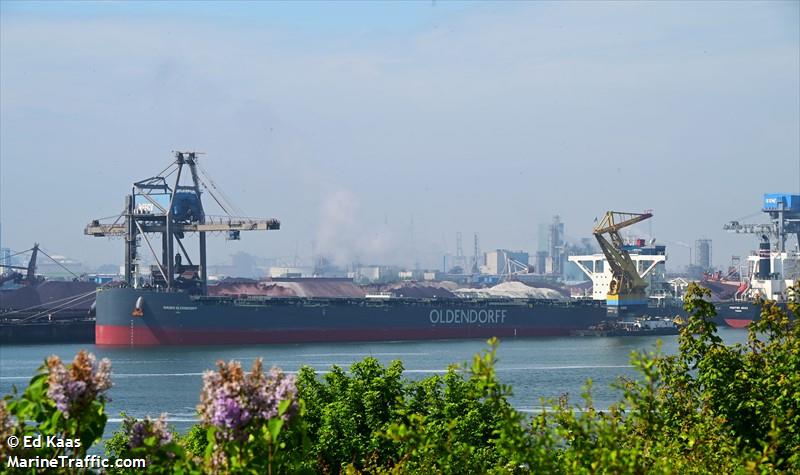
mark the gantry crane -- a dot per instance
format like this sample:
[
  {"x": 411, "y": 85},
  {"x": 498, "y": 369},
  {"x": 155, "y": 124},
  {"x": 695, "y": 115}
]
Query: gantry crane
[
  {"x": 155, "y": 207},
  {"x": 627, "y": 288},
  {"x": 784, "y": 214}
]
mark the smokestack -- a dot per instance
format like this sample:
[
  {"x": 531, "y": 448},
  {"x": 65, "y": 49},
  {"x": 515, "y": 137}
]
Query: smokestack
[{"x": 764, "y": 269}]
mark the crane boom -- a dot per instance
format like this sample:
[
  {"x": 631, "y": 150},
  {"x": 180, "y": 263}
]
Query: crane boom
[
  {"x": 31, "y": 274},
  {"x": 613, "y": 221}
]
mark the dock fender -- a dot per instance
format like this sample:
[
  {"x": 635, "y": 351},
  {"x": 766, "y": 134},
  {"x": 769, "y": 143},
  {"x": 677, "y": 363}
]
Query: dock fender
[
  {"x": 93, "y": 309},
  {"x": 138, "y": 308}
]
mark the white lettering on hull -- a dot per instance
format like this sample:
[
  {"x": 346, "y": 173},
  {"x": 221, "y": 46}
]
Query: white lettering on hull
[{"x": 469, "y": 317}]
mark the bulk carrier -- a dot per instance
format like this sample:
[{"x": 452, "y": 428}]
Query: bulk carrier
[{"x": 173, "y": 307}]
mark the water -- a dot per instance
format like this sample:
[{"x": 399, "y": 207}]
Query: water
[{"x": 151, "y": 381}]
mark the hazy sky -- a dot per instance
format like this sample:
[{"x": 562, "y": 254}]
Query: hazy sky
[{"x": 379, "y": 130}]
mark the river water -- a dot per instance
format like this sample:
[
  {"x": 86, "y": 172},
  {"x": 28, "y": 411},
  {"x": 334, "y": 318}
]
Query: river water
[{"x": 151, "y": 381}]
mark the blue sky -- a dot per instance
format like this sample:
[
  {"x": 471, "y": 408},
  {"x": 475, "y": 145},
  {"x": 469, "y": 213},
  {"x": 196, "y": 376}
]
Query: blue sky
[{"x": 351, "y": 121}]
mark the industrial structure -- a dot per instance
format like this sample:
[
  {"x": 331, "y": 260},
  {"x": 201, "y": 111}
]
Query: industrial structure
[
  {"x": 506, "y": 263},
  {"x": 8, "y": 273},
  {"x": 476, "y": 254},
  {"x": 784, "y": 213},
  {"x": 551, "y": 255},
  {"x": 555, "y": 247},
  {"x": 774, "y": 268},
  {"x": 702, "y": 253},
  {"x": 649, "y": 260},
  {"x": 626, "y": 290},
  {"x": 155, "y": 207}
]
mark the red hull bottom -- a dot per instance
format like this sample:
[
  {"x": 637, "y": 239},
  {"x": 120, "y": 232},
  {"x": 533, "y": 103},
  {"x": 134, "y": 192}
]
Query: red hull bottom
[
  {"x": 738, "y": 322},
  {"x": 143, "y": 336}
]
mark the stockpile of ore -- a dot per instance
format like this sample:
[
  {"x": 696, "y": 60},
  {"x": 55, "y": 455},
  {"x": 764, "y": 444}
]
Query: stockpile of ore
[
  {"x": 421, "y": 290},
  {"x": 515, "y": 290},
  {"x": 53, "y": 293},
  {"x": 300, "y": 287}
]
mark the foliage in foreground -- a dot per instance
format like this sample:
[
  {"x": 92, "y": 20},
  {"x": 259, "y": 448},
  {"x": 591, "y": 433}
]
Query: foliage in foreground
[{"x": 709, "y": 408}]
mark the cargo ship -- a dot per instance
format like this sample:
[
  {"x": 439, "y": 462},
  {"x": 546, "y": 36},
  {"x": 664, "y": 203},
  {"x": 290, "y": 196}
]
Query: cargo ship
[
  {"x": 128, "y": 316},
  {"x": 35, "y": 310},
  {"x": 173, "y": 306}
]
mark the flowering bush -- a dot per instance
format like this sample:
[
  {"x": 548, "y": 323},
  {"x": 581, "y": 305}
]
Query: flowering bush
[
  {"x": 244, "y": 414},
  {"x": 73, "y": 388},
  {"x": 63, "y": 401},
  {"x": 140, "y": 432},
  {"x": 231, "y": 400},
  {"x": 153, "y": 441}
]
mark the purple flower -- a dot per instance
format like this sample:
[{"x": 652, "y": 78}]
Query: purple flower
[
  {"x": 78, "y": 385},
  {"x": 232, "y": 399},
  {"x": 228, "y": 413},
  {"x": 137, "y": 431}
]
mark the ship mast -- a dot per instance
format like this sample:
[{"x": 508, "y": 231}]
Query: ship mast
[{"x": 155, "y": 208}]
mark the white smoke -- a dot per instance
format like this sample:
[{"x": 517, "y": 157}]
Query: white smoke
[{"x": 345, "y": 237}]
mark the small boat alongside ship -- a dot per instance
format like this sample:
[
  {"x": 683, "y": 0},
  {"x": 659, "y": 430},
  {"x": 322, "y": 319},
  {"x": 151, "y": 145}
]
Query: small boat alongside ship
[{"x": 639, "y": 326}]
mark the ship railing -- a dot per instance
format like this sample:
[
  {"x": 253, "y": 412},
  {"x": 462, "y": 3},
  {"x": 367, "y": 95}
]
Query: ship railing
[{"x": 262, "y": 300}]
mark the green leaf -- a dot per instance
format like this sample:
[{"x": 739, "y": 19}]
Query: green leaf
[
  {"x": 210, "y": 437},
  {"x": 274, "y": 425},
  {"x": 283, "y": 406}
]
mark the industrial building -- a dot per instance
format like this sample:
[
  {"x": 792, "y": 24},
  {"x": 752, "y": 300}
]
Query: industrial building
[
  {"x": 550, "y": 258},
  {"x": 702, "y": 252},
  {"x": 503, "y": 261}
]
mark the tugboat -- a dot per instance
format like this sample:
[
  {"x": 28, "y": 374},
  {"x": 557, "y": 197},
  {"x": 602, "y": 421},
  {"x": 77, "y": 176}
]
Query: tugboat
[{"x": 640, "y": 326}]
